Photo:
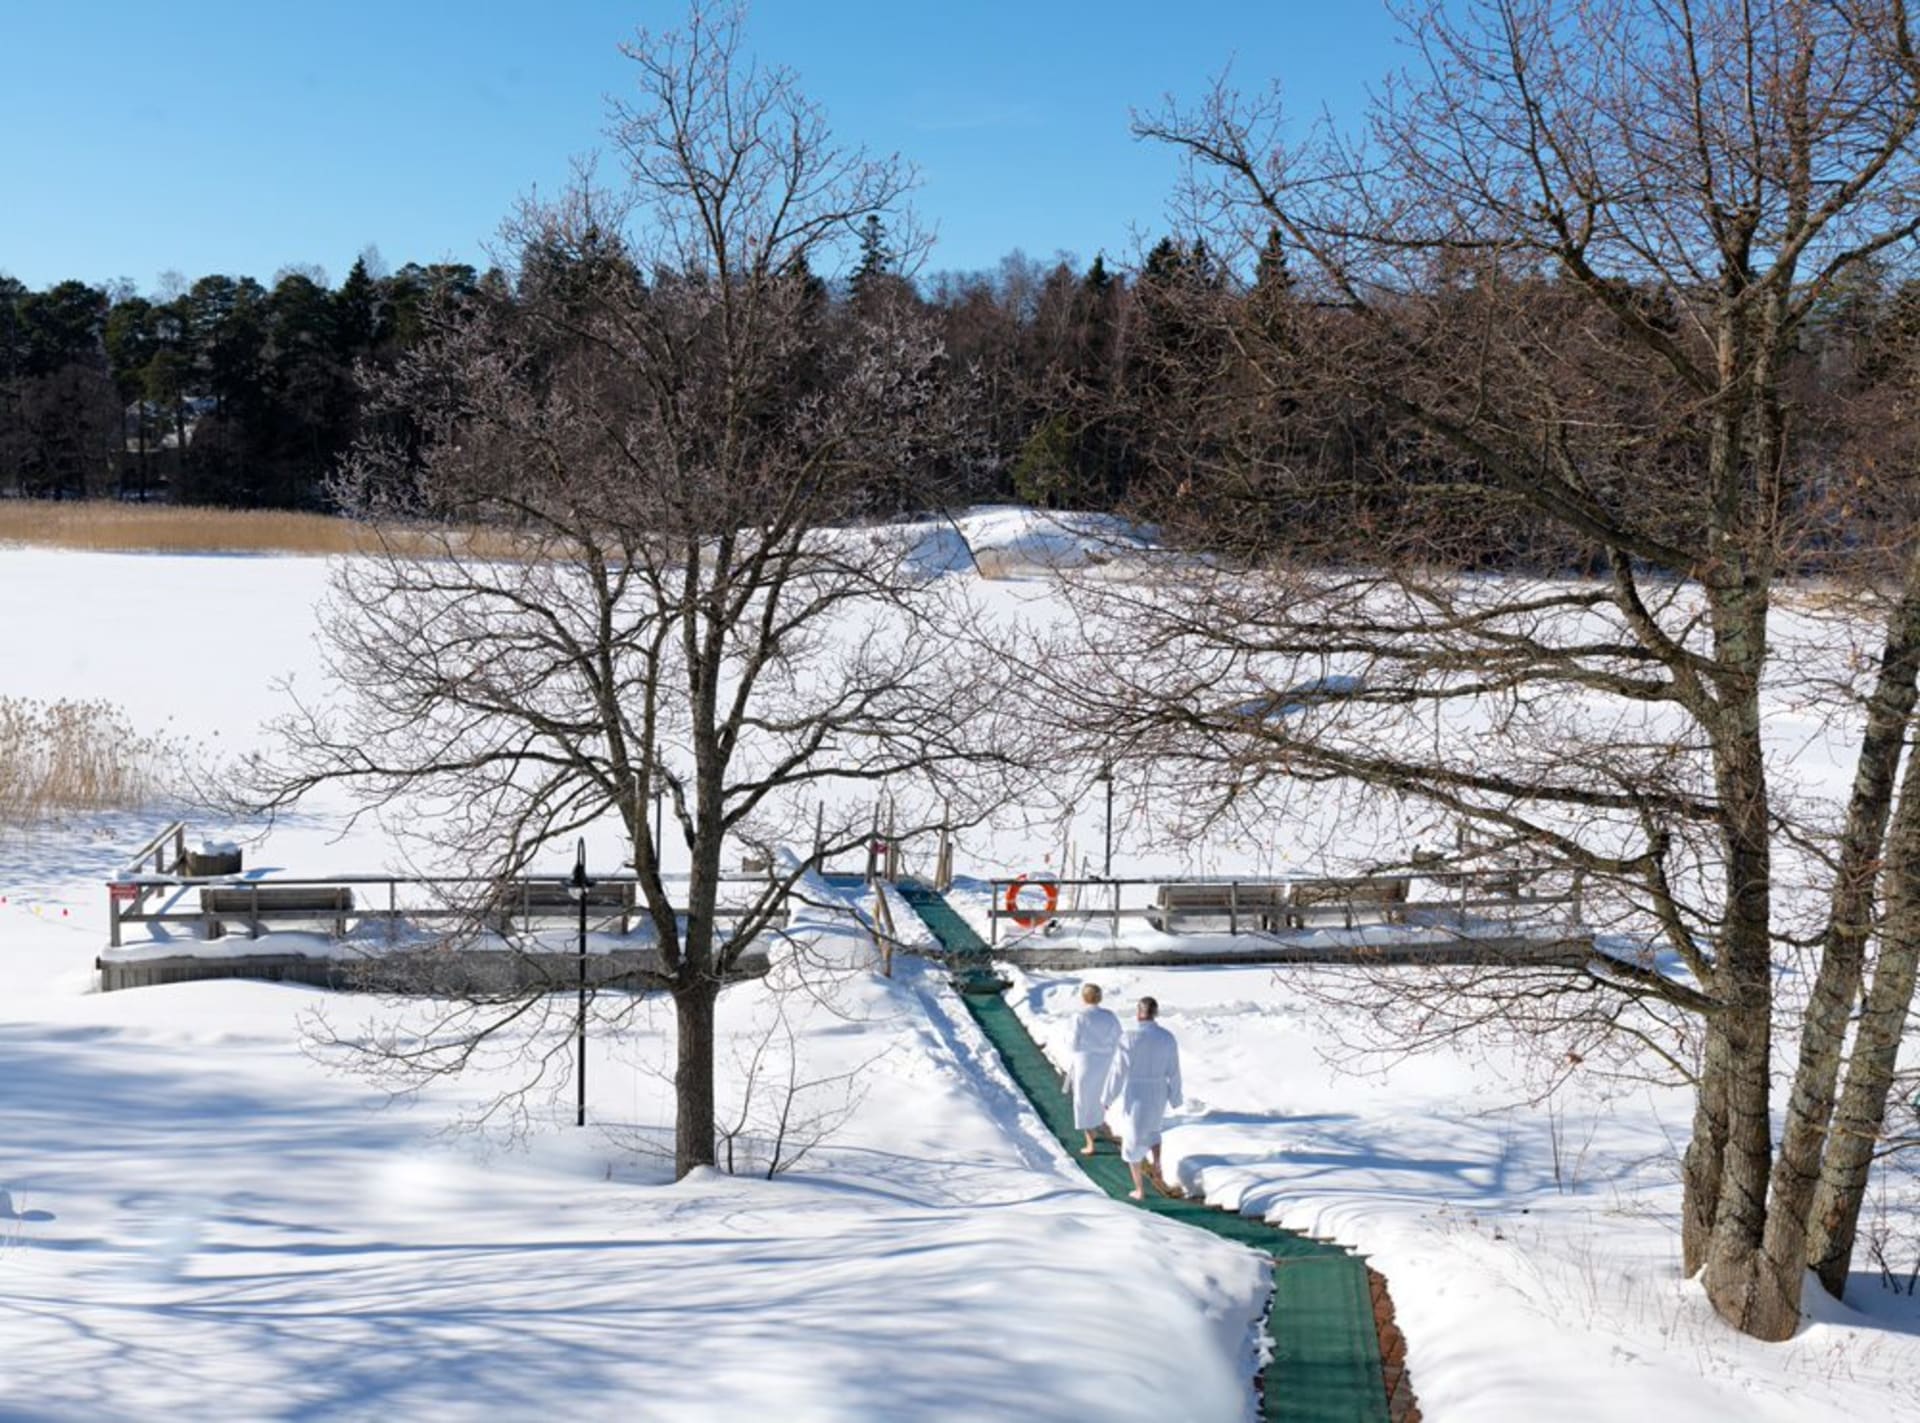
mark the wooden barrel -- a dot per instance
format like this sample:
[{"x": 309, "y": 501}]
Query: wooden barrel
[{"x": 212, "y": 862}]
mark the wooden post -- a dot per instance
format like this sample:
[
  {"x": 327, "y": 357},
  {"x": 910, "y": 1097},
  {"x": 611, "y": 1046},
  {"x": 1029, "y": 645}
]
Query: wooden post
[
  {"x": 253, "y": 909},
  {"x": 393, "y": 910},
  {"x": 1233, "y": 907},
  {"x": 113, "y": 917},
  {"x": 883, "y": 930}
]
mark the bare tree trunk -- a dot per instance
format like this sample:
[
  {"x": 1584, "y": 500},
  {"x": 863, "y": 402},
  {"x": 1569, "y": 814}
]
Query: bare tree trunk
[
  {"x": 1836, "y": 987},
  {"x": 1740, "y": 1281},
  {"x": 1756, "y": 1299},
  {"x": 1862, "y": 1109},
  {"x": 1706, "y": 1154},
  {"x": 693, "y": 1128}
]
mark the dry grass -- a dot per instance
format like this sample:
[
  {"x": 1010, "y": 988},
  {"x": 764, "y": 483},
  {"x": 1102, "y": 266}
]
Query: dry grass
[
  {"x": 66, "y": 756},
  {"x": 159, "y": 528},
  {"x": 105, "y": 526}
]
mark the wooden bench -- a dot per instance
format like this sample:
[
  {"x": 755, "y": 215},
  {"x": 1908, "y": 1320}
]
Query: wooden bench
[
  {"x": 554, "y": 899},
  {"x": 259, "y": 904},
  {"x": 1387, "y": 897},
  {"x": 1240, "y": 905}
]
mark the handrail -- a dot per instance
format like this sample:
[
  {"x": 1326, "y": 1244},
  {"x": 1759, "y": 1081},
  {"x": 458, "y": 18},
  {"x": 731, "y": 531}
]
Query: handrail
[
  {"x": 175, "y": 831},
  {"x": 1512, "y": 888},
  {"x": 1099, "y": 881},
  {"x": 127, "y": 894},
  {"x": 164, "y": 880}
]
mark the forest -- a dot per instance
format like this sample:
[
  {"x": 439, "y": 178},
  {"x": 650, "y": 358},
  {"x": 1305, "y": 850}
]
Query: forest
[{"x": 1096, "y": 385}]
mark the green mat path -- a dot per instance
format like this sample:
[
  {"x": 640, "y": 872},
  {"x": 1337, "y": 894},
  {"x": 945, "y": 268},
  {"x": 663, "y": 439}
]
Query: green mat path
[{"x": 1326, "y": 1364}]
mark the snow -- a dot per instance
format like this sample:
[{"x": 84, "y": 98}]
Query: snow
[
  {"x": 1015, "y": 542},
  {"x": 201, "y": 1210},
  {"x": 210, "y": 1221},
  {"x": 1532, "y": 1251},
  {"x": 204, "y": 1213}
]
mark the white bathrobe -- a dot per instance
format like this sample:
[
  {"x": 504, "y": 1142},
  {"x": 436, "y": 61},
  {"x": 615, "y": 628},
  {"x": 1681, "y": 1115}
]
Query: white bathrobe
[
  {"x": 1144, "y": 1082},
  {"x": 1091, "y": 1043}
]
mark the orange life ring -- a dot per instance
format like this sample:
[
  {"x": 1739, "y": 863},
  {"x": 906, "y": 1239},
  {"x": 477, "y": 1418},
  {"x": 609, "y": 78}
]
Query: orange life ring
[{"x": 1032, "y": 921}]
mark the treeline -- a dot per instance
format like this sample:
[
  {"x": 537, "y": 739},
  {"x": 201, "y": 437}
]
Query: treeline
[
  {"x": 239, "y": 394},
  {"x": 1091, "y": 387},
  {"x": 228, "y": 393}
]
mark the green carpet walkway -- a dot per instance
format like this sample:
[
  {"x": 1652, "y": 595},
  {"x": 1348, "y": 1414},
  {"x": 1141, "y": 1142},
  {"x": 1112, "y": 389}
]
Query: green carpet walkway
[{"x": 1326, "y": 1364}]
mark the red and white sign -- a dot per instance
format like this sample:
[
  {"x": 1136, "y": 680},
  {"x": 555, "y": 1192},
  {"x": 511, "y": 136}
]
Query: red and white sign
[{"x": 123, "y": 893}]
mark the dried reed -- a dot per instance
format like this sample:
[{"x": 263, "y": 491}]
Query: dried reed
[
  {"x": 66, "y": 756},
  {"x": 107, "y": 527}
]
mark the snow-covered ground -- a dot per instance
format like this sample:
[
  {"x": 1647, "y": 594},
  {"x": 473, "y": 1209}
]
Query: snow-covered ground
[
  {"x": 1532, "y": 1249},
  {"x": 203, "y": 1213}
]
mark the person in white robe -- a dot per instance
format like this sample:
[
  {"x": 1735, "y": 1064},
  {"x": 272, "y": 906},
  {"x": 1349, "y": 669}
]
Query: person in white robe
[
  {"x": 1144, "y": 1081},
  {"x": 1091, "y": 1043}
]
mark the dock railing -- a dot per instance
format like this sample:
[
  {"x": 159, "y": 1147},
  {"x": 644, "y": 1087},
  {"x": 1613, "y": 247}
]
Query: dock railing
[
  {"x": 1272, "y": 904},
  {"x": 276, "y": 899}
]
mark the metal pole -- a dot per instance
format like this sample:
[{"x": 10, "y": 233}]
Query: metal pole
[
  {"x": 1107, "y": 776},
  {"x": 579, "y": 885}
]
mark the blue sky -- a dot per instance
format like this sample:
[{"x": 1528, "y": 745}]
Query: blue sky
[{"x": 218, "y": 136}]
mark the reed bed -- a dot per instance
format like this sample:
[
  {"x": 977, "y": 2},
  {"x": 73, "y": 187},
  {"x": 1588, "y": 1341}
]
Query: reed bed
[
  {"x": 73, "y": 756},
  {"x": 107, "y": 526}
]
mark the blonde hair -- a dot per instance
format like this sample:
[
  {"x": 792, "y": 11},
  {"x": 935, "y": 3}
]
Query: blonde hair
[{"x": 1090, "y": 993}]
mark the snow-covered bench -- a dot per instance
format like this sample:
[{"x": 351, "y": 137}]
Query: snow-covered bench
[
  {"x": 1386, "y": 897},
  {"x": 1185, "y": 907},
  {"x": 260, "y": 904}
]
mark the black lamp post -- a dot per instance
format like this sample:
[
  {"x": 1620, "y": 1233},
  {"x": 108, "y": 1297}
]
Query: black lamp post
[{"x": 578, "y": 886}]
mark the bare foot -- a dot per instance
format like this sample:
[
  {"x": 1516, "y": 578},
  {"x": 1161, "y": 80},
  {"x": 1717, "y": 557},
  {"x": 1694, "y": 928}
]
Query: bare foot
[
  {"x": 1136, "y": 1195},
  {"x": 1086, "y": 1151}
]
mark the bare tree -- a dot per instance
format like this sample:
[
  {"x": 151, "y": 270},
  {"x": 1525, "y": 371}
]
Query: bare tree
[
  {"x": 1544, "y": 315},
  {"x": 644, "y": 468}
]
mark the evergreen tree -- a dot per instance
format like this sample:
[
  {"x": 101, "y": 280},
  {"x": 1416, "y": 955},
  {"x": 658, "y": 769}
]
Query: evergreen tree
[
  {"x": 132, "y": 341},
  {"x": 356, "y": 313},
  {"x": 876, "y": 259},
  {"x": 1270, "y": 273}
]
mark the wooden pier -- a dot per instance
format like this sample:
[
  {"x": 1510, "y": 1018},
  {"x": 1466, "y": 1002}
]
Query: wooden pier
[{"x": 502, "y": 937}]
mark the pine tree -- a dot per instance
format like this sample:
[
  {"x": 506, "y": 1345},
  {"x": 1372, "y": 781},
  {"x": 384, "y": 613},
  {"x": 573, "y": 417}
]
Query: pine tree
[
  {"x": 876, "y": 260},
  {"x": 1270, "y": 273},
  {"x": 356, "y": 313}
]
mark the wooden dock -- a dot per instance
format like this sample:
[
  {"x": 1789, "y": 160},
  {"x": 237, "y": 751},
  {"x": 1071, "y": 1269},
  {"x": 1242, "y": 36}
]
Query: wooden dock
[
  {"x": 1563, "y": 950},
  {"x": 437, "y": 973},
  {"x": 505, "y": 935}
]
